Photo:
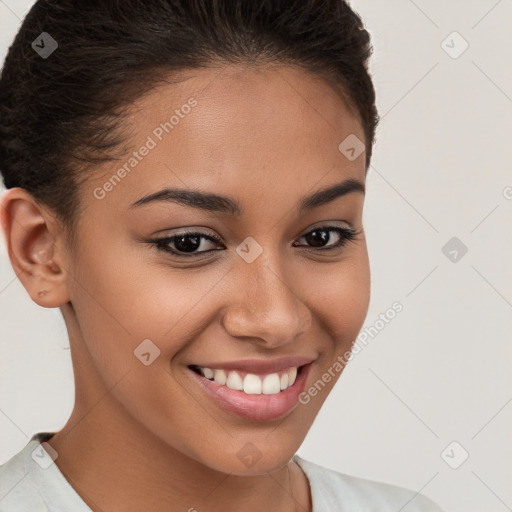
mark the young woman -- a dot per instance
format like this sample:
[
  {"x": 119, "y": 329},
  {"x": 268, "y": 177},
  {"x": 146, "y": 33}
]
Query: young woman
[{"x": 186, "y": 183}]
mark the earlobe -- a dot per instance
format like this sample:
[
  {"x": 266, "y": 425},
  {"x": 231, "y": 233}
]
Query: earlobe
[{"x": 30, "y": 234}]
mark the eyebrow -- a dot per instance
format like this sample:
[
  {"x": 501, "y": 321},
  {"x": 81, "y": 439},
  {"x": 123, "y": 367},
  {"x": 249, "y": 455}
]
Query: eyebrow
[{"x": 223, "y": 204}]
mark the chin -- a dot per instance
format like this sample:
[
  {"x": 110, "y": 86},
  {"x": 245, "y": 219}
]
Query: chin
[{"x": 251, "y": 457}]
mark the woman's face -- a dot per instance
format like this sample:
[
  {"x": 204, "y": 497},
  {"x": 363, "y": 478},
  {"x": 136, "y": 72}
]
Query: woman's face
[{"x": 260, "y": 288}]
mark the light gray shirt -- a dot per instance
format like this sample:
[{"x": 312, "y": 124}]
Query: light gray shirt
[{"x": 31, "y": 482}]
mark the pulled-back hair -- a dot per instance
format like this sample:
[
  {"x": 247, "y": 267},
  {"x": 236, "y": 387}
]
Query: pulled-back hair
[{"x": 60, "y": 115}]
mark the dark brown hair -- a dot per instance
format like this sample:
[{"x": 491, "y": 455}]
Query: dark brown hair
[{"x": 60, "y": 113}]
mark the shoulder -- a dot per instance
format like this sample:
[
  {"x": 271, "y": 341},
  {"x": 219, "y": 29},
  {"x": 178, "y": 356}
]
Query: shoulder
[
  {"x": 31, "y": 481},
  {"x": 334, "y": 491},
  {"x": 17, "y": 493}
]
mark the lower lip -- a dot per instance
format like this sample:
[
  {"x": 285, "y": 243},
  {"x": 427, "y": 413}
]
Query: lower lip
[{"x": 255, "y": 407}]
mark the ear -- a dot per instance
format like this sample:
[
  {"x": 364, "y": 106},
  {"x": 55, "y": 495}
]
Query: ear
[{"x": 35, "y": 249}]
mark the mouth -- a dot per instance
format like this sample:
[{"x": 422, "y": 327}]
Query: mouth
[{"x": 255, "y": 395}]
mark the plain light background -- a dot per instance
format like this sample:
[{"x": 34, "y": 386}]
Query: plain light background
[{"x": 441, "y": 371}]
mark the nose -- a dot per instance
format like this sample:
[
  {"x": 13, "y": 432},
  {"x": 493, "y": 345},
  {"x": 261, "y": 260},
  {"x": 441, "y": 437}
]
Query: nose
[{"x": 264, "y": 308}]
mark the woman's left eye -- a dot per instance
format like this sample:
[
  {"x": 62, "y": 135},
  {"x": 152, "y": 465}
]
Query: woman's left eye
[
  {"x": 320, "y": 240},
  {"x": 186, "y": 244}
]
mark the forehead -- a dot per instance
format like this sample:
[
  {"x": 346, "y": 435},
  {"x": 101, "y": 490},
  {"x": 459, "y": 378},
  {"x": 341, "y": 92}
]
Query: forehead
[
  {"x": 241, "y": 96},
  {"x": 232, "y": 128}
]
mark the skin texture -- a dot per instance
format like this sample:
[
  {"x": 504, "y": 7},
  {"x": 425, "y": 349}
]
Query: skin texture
[{"x": 147, "y": 437}]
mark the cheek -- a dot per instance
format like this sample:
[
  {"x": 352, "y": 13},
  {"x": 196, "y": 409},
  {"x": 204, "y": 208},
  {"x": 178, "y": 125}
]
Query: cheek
[
  {"x": 339, "y": 297},
  {"x": 128, "y": 309},
  {"x": 122, "y": 308},
  {"x": 340, "y": 306},
  {"x": 353, "y": 300}
]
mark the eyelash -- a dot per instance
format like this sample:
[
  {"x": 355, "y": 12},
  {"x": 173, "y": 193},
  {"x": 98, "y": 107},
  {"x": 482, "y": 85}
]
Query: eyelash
[{"x": 162, "y": 244}]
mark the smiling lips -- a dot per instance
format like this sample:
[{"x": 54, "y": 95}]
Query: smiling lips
[{"x": 257, "y": 390}]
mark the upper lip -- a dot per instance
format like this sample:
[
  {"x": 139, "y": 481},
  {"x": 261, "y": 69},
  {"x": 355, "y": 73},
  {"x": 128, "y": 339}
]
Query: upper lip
[{"x": 258, "y": 365}]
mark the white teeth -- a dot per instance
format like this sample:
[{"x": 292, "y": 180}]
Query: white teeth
[
  {"x": 251, "y": 384},
  {"x": 219, "y": 376},
  {"x": 284, "y": 381},
  {"x": 271, "y": 384},
  {"x": 234, "y": 381},
  {"x": 208, "y": 373}
]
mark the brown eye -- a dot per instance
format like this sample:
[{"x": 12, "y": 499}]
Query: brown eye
[
  {"x": 186, "y": 244},
  {"x": 321, "y": 238}
]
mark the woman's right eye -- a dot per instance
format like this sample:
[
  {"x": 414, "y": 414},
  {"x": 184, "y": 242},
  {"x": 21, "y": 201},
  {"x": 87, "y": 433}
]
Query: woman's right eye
[{"x": 185, "y": 244}]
